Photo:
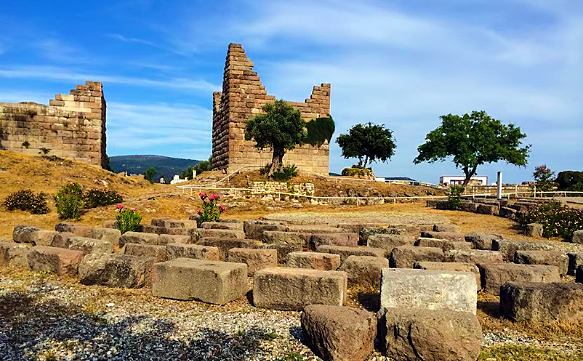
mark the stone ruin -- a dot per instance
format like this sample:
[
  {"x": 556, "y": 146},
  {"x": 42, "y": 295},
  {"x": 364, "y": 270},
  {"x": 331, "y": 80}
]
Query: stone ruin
[
  {"x": 427, "y": 277},
  {"x": 242, "y": 97},
  {"x": 71, "y": 126}
]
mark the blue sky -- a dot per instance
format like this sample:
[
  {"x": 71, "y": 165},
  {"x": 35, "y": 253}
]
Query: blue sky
[{"x": 401, "y": 63}]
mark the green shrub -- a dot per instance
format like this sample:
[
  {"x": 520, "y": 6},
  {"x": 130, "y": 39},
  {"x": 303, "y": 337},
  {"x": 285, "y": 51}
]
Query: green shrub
[
  {"x": 285, "y": 173},
  {"x": 128, "y": 219},
  {"x": 26, "y": 200},
  {"x": 357, "y": 172},
  {"x": 557, "y": 220},
  {"x": 69, "y": 201},
  {"x": 99, "y": 198},
  {"x": 454, "y": 196},
  {"x": 211, "y": 209},
  {"x": 200, "y": 167},
  {"x": 570, "y": 181}
]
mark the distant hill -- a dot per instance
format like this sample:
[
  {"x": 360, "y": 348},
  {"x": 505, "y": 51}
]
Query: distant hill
[{"x": 166, "y": 167}]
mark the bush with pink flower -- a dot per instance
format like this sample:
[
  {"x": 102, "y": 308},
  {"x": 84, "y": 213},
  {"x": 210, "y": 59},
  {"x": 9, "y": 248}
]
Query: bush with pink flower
[
  {"x": 127, "y": 219},
  {"x": 211, "y": 209}
]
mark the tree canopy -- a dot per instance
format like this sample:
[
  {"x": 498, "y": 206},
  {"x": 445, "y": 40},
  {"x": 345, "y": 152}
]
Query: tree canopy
[
  {"x": 367, "y": 142},
  {"x": 282, "y": 128},
  {"x": 472, "y": 140}
]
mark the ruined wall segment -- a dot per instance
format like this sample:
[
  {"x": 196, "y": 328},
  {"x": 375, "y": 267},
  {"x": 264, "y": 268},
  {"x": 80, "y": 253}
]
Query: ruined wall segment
[
  {"x": 71, "y": 126},
  {"x": 242, "y": 97}
]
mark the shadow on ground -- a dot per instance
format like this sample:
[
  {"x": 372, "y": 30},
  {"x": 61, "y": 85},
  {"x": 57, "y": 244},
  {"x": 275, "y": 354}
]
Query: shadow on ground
[{"x": 29, "y": 325}]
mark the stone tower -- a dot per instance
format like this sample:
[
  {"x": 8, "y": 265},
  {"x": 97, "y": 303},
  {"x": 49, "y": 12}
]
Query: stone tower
[
  {"x": 71, "y": 126},
  {"x": 243, "y": 97}
]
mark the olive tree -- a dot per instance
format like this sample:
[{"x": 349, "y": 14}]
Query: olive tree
[{"x": 367, "y": 142}]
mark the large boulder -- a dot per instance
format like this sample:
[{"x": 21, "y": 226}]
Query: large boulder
[
  {"x": 406, "y": 256},
  {"x": 482, "y": 241},
  {"x": 314, "y": 260},
  {"x": 207, "y": 281},
  {"x": 180, "y": 250},
  {"x": 552, "y": 258},
  {"x": 255, "y": 259},
  {"x": 14, "y": 254},
  {"x": 364, "y": 271},
  {"x": 431, "y": 335},
  {"x": 54, "y": 260},
  {"x": 146, "y": 250},
  {"x": 542, "y": 302},
  {"x": 428, "y": 289},
  {"x": 294, "y": 288},
  {"x": 338, "y": 332},
  {"x": 139, "y": 237},
  {"x": 495, "y": 275},
  {"x": 389, "y": 241},
  {"x": 24, "y": 234},
  {"x": 346, "y": 251},
  {"x": 451, "y": 266},
  {"x": 121, "y": 271}
]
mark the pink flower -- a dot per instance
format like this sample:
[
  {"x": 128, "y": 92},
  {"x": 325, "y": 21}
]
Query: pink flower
[
  {"x": 222, "y": 208},
  {"x": 119, "y": 206},
  {"x": 213, "y": 196},
  {"x": 202, "y": 195},
  {"x": 133, "y": 209}
]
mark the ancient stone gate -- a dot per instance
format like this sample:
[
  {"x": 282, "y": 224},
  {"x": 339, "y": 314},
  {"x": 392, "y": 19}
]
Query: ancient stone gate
[
  {"x": 71, "y": 126},
  {"x": 242, "y": 97}
]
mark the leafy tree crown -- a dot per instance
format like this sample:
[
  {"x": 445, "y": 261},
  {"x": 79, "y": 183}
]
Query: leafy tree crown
[{"x": 367, "y": 142}]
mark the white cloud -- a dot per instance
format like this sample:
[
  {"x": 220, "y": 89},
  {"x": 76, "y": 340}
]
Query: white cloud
[{"x": 64, "y": 74}]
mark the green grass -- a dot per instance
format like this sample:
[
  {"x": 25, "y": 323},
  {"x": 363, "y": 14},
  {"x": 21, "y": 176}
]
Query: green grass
[{"x": 526, "y": 353}]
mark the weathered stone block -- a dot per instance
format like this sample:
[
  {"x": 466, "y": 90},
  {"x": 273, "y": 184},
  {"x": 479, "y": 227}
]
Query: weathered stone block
[
  {"x": 333, "y": 239},
  {"x": 452, "y": 228},
  {"x": 534, "y": 230},
  {"x": 255, "y": 229},
  {"x": 107, "y": 234},
  {"x": 508, "y": 248},
  {"x": 451, "y": 266},
  {"x": 283, "y": 250},
  {"x": 223, "y": 233},
  {"x": 339, "y": 333},
  {"x": 89, "y": 245},
  {"x": 255, "y": 259},
  {"x": 180, "y": 250},
  {"x": 482, "y": 241},
  {"x": 173, "y": 223},
  {"x": 294, "y": 288},
  {"x": 158, "y": 253},
  {"x": 61, "y": 238},
  {"x": 492, "y": 209},
  {"x": 345, "y": 251},
  {"x": 223, "y": 225},
  {"x": 55, "y": 260},
  {"x": 389, "y": 241},
  {"x": 575, "y": 260},
  {"x": 122, "y": 271},
  {"x": 552, "y": 258},
  {"x": 225, "y": 244},
  {"x": 577, "y": 237},
  {"x": 80, "y": 230},
  {"x": 432, "y": 290},
  {"x": 431, "y": 335},
  {"x": 139, "y": 237},
  {"x": 473, "y": 256},
  {"x": 174, "y": 238},
  {"x": 542, "y": 302},
  {"x": 14, "y": 254},
  {"x": 314, "y": 260},
  {"x": 364, "y": 271},
  {"x": 298, "y": 238},
  {"x": 495, "y": 275},
  {"x": 406, "y": 256},
  {"x": 444, "y": 244},
  {"x": 452, "y": 236},
  {"x": 24, "y": 234},
  {"x": 207, "y": 281}
]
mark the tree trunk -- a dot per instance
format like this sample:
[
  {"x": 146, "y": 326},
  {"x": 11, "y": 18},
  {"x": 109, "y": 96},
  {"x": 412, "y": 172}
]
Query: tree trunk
[
  {"x": 276, "y": 160},
  {"x": 469, "y": 174}
]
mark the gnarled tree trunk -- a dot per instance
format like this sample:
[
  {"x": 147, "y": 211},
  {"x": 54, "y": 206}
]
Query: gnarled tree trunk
[{"x": 276, "y": 160}]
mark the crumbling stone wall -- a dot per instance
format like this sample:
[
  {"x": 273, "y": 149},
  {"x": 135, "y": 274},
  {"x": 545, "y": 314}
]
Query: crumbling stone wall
[
  {"x": 242, "y": 97},
  {"x": 71, "y": 126}
]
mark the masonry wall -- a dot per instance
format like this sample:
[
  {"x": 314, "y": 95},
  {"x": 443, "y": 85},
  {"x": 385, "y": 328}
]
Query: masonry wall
[
  {"x": 71, "y": 126},
  {"x": 243, "y": 96}
]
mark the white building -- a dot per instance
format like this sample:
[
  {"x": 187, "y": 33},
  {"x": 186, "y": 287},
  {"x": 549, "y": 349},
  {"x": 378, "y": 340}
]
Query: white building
[
  {"x": 177, "y": 180},
  {"x": 476, "y": 180}
]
